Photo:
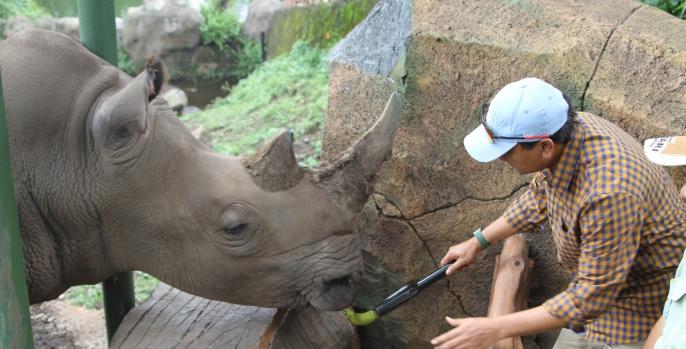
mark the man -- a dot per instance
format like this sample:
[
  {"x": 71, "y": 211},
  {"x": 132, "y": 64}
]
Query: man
[{"x": 616, "y": 219}]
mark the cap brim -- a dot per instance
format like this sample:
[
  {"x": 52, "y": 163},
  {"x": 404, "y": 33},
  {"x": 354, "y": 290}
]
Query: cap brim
[{"x": 480, "y": 147}]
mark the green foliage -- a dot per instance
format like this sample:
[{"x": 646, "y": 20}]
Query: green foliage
[
  {"x": 221, "y": 29},
  {"x": 125, "y": 63},
  {"x": 290, "y": 91},
  {"x": 247, "y": 58},
  {"x": 144, "y": 284},
  {"x": 27, "y": 8},
  {"x": 219, "y": 25},
  {"x": 321, "y": 25},
  {"x": 675, "y": 7},
  {"x": 87, "y": 296},
  {"x": 90, "y": 296}
]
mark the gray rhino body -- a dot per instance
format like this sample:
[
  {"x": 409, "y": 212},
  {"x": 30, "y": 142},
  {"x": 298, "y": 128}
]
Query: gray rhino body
[{"x": 108, "y": 179}]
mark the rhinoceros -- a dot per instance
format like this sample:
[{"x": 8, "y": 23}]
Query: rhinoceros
[{"x": 108, "y": 179}]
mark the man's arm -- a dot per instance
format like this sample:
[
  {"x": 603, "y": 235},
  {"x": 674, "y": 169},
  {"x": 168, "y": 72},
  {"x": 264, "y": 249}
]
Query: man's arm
[
  {"x": 610, "y": 237},
  {"x": 463, "y": 254},
  {"x": 524, "y": 214},
  {"x": 479, "y": 333},
  {"x": 655, "y": 333}
]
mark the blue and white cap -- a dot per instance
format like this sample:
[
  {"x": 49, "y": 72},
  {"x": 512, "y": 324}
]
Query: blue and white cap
[{"x": 522, "y": 111}]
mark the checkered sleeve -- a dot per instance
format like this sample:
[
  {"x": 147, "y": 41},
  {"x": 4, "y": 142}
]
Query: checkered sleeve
[
  {"x": 529, "y": 210},
  {"x": 610, "y": 233}
]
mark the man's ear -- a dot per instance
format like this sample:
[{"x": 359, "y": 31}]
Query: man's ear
[
  {"x": 547, "y": 146},
  {"x": 123, "y": 116}
]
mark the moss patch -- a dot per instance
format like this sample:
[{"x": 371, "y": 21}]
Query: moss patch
[{"x": 320, "y": 26}]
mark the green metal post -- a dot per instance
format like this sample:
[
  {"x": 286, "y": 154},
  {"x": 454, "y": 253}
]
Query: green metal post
[
  {"x": 97, "y": 29},
  {"x": 15, "y": 321},
  {"x": 98, "y": 34}
]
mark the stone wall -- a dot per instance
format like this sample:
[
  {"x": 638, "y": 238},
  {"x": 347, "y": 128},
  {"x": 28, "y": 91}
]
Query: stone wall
[{"x": 618, "y": 58}]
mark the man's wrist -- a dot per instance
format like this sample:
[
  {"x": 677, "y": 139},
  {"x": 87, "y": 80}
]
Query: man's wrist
[{"x": 481, "y": 239}]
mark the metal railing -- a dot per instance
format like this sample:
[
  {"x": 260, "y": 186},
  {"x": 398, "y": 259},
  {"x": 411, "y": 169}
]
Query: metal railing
[
  {"x": 15, "y": 320},
  {"x": 98, "y": 34}
]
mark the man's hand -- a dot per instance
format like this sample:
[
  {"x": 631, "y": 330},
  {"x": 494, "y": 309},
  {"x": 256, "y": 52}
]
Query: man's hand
[
  {"x": 469, "y": 333},
  {"x": 463, "y": 254}
]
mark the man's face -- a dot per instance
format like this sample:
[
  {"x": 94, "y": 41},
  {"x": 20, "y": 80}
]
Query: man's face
[{"x": 525, "y": 160}]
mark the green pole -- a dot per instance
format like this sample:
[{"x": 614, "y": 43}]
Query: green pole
[
  {"x": 97, "y": 29},
  {"x": 98, "y": 34},
  {"x": 15, "y": 321}
]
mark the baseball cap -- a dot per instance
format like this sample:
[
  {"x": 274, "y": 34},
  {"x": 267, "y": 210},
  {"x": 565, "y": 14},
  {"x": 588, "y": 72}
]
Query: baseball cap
[{"x": 523, "y": 111}]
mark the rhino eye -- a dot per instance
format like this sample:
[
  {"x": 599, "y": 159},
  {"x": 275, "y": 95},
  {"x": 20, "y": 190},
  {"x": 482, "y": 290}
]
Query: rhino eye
[
  {"x": 239, "y": 230},
  {"x": 235, "y": 230}
]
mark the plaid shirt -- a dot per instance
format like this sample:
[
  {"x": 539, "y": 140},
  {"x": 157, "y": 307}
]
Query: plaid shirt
[{"x": 618, "y": 225}]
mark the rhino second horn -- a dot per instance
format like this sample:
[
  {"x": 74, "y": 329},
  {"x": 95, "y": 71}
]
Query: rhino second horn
[
  {"x": 350, "y": 178},
  {"x": 274, "y": 167}
]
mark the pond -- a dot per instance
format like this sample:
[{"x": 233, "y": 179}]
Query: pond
[
  {"x": 202, "y": 92},
  {"x": 67, "y": 8}
]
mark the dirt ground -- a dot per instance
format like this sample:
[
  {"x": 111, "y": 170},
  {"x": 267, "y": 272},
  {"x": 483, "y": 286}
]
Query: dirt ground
[{"x": 58, "y": 325}]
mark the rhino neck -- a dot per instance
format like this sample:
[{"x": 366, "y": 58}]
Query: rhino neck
[{"x": 57, "y": 254}]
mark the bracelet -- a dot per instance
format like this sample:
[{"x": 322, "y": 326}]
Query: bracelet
[{"x": 479, "y": 235}]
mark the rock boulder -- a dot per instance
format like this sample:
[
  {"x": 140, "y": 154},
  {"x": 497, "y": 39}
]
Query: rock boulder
[{"x": 164, "y": 28}]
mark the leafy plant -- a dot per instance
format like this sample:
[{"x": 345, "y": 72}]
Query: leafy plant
[
  {"x": 26, "y": 8},
  {"x": 219, "y": 26},
  {"x": 289, "y": 91},
  {"x": 125, "y": 63},
  {"x": 675, "y": 7},
  {"x": 222, "y": 29},
  {"x": 247, "y": 58}
]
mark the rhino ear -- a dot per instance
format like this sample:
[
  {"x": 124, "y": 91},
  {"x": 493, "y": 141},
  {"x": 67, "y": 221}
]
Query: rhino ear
[
  {"x": 123, "y": 116},
  {"x": 274, "y": 167},
  {"x": 156, "y": 76}
]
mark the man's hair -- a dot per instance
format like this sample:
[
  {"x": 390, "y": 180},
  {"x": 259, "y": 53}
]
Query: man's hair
[{"x": 564, "y": 134}]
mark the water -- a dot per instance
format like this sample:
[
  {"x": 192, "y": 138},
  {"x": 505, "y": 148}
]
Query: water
[
  {"x": 202, "y": 92},
  {"x": 67, "y": 8}
]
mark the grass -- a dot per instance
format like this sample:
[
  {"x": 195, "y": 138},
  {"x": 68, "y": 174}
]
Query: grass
[
  {"x": 90, "y": 296},
  {"x": 676, "y": 7},
  {"x": 290, "y": 91}
]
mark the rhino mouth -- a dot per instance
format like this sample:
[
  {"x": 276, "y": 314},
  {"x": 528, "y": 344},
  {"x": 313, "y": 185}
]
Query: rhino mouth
[{"x": 336, "y": 293}]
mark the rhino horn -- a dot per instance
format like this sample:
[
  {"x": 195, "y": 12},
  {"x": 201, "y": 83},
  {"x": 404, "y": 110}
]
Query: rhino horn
[
  {"x": 274, "y": 167},
  {"x": 350, "y": 178}
]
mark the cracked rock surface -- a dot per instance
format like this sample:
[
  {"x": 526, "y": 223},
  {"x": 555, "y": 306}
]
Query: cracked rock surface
[{"x": 619, "y": 59}]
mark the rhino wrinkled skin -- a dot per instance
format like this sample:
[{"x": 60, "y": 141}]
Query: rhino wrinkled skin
[{"x": 108, "y": 179}]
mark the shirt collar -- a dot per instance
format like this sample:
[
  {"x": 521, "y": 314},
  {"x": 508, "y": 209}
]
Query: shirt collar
[{"x": 562, "y": 177}]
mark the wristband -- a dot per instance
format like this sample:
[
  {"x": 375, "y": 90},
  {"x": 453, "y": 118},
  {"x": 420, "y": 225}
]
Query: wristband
[{"x": 479, "y": 235}]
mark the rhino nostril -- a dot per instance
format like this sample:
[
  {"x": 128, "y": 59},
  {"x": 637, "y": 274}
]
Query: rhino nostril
[{"x": 345, "y": 281}]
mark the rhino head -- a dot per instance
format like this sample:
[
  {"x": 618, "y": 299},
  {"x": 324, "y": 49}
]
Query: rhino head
[{"x": 123, "y": 185}]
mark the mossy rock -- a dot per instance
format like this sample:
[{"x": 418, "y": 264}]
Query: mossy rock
[{"x": 319, "y": 25}]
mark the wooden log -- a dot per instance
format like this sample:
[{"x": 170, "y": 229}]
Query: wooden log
[
  {"x": 511, "y": 283},
  {"x": 171, "y": 318}
]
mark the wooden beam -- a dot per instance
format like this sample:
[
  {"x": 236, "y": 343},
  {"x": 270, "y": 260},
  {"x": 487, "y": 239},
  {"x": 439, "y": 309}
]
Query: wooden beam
[
  {"x": 171, "y": 318},
  {"x": 511, "y": 283}
]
